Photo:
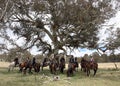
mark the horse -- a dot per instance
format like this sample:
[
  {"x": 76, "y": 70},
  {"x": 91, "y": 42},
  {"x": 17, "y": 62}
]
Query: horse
[
  {"x": 82, "y": 64},
  {"x": 36, "y": 67},
  {"x": 54, "y": 66},
  {"x": 13, "y": 64},
  {"x": 45, "y": 63},
  {"x": 88, "y": 65},
  {"x": 28, "y": 65},
  {"x": 62, "y": 65},
  {"x": 71, "y": 69},
  {"x": 24, "y": 66}
]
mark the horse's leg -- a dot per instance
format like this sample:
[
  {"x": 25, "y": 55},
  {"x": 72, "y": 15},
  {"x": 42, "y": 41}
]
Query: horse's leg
[
  {"x": 72, "y": 72},
  {"x": 62, "y": 70},
  {"x": 50, "y": 67},
  {"x": 25, "y": 70},
  {"x": 77, "y": 68},
  {"x": 9, "y": 69},
  {"x": 38, "y": 68},
  {"x": 95, "y": 70},
  {"x": 30, "y": 68},
  {"x": 68, "y": 72},
  {"x": 12, "y": 68},
  {"x": 42, "y": 68},
  {"x": 21, "y": 69},
  {"x": 88, "y": 72},
  {"x": 35, "y": 68},
  {"x": 53, "y": 70},
  {"x": 81, "y": 68}
]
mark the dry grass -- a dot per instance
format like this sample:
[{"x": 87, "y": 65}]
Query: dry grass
[
  {"x": 4, "y": 64},
  {"x": 108, "y": 65},
  {"x": 104, "y": 77}
]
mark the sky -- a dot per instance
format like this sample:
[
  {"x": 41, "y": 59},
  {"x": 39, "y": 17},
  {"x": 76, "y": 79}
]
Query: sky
[{"x": 79, "y": 52}]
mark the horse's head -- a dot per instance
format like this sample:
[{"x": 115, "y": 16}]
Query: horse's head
[{"x": 16, "y": 61}]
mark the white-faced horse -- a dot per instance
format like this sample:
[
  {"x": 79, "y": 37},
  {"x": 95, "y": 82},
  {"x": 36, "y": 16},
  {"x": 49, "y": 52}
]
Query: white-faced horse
[{"x": 13, "y": 64}]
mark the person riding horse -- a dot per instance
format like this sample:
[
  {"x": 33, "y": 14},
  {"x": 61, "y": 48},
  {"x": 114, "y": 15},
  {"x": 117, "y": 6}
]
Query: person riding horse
[
  {"x": 54, "y": 65},
  {"x": 28, "y": 61},
  {"x": 62, "y": 64},
  {"x": 45, "y": 60},
  {"x": 35, "y": 65},
  {"x": 83, "y": 61},
  {"x": 92, "y": 60},
  {"x": 16, "y": 61},
  {"x": 62, "y": 59},
  {"x": 76, "y": 63},
  {"x": 89, "y": 65},
  {"x": 71, "y": 66},
  {"x": 33, "y": 61},
  {"x": 71, "y": 60}
]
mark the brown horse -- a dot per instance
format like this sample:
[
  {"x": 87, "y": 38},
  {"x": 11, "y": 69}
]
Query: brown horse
[
  {"x": 71, "y": 69},
  {"x": 45, "y": 63},
  {"x": 87, "y": 66},
  {"x": 24, "y": 66},
  {"x": 54, "y": 65}
]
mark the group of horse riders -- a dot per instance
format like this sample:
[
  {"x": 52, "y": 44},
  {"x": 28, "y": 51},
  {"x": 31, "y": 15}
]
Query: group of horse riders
[{"x": 56, "y": 61}]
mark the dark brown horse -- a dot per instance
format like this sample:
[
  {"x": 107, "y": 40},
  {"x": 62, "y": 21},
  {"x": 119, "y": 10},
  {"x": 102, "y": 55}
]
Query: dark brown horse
[
  {"x": 54, "y": 66},
  {"x": 45, "y": 63},
  {"x": 62, "y": 65},
  {"x": 36, "y": 67},
  {"x": 83, "y": 64},
  {"x": 71, "y": 69},
  {"x": 87, "y": 66}
]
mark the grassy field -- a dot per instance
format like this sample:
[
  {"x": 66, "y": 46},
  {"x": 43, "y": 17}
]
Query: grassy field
[{"x": 106, "y": 76}]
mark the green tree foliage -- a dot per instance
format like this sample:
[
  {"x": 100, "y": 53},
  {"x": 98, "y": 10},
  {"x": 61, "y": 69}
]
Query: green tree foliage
[{"x": 66, "y": 23}]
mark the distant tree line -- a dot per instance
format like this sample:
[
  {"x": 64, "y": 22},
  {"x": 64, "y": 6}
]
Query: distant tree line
[
  {"x": 98, "y": 58},
  {"x": 103, "y": 57}
]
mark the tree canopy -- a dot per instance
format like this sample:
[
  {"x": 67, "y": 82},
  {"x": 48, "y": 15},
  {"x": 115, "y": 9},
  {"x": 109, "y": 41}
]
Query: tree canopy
[{"x": 65, "y": 23}]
